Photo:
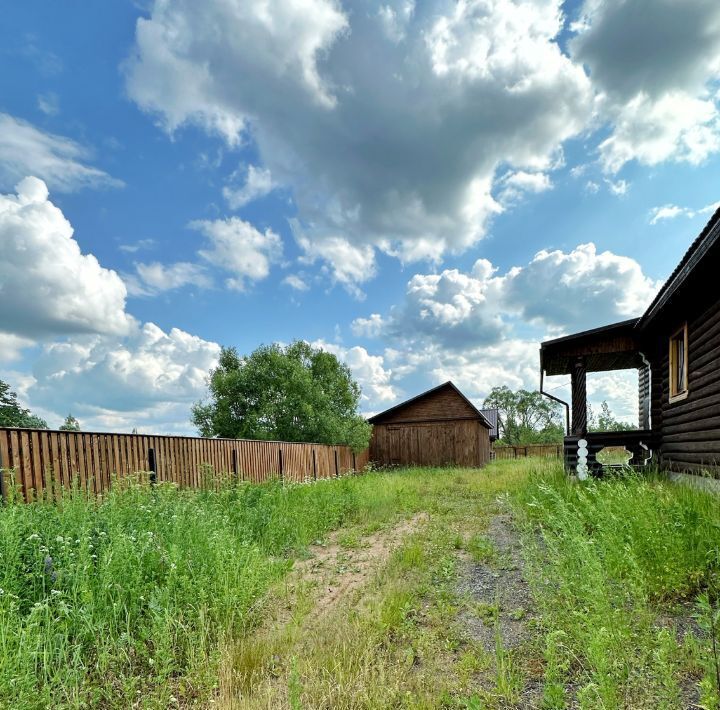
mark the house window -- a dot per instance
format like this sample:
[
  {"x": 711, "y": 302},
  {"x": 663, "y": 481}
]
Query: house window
[{"x": 679, "y": 364}]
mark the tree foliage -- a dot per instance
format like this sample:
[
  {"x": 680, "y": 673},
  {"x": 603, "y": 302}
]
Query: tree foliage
[
  {"x": 293, "y": 393},
  {"x": 525, "y": 417},
  {"x": 70, "y": 424},
  {"x": 605, "y": 421},
  {"x": 12, "y": 414}
]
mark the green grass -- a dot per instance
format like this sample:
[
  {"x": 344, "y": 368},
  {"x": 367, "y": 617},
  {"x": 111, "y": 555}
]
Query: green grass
[
  {"x": 157, "y": 597},
  {"x": 615, "y": 565},
  {"x": 105, "y": 602}
]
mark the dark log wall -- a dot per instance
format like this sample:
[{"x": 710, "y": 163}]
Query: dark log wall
[
  {"x": 443, "y": 404},
  {"x": 460, "y": 443},
  {"x": 690, "y": 429}
]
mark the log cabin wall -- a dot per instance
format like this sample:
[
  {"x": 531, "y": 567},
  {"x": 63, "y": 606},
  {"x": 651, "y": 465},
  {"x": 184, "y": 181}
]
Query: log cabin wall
[{"x": 689, "y": 429}]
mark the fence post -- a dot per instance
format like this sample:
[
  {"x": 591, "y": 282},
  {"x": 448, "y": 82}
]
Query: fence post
[
  {"x": 3, "y": 492},
  {"x": 280, "y": 456},
  {"x": 235, "y": 465},
  {"x": 152, "y": 466},
  {"x": 354, "y": 464},
  {"x": 337, "y": 470},
  {"x": 314, "y": 465}
]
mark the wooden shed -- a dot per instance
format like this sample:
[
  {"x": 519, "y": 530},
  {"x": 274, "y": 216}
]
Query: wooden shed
[{"x": 439, "y": 427}]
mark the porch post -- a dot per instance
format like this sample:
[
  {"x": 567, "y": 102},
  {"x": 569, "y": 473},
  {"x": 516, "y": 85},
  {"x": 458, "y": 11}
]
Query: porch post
[
  {"x": 644, "y": 397},
  {"x": 579, "y": 397}
]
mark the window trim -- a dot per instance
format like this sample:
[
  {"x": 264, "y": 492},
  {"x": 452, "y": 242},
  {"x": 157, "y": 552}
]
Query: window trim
[{"x": 676, "y": 394}]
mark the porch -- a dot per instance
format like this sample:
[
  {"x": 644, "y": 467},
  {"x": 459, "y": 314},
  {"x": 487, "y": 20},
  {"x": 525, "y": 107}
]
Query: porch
[{"x": 613, "y": 347}]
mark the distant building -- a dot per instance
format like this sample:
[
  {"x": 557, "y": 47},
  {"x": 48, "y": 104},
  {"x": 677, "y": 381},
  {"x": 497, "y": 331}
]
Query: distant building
[
  {"x": 492, "y": 416},
  {"x": 439, "y": 427}
]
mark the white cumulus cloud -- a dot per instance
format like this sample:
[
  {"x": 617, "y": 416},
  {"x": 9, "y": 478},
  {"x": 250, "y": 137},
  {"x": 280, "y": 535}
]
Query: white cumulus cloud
[
  {"x": 387, "y": 123},
  {"x": 47, "y": 285},
  {"x": 240, "y": 249},
  {"x": 258, "y": 183},
  {"x": 141, "y": 377}
]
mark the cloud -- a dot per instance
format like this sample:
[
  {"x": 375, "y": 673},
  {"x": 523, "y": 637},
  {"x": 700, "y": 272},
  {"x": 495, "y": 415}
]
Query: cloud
[
  {"x": 578, "y": 289},
  {"x": 555, "y": 292},
  {"x": 258, "y": 183},
  {"x": 240, "y": 249},
  {"x": 295, "y": 282},
  {"x": 349, "y": 264},
  {"x": 368, "y": 370},
  {"x": 155, "y": 278},
  {"x": 370, "y": 327},
  {"x": 388, "y": 123},
  {"x": 670, "y": 211},
  {"x": 59, "y": 161},
  {"x": 140, "y": 245},
  {"x": 49, "y": 103},
  {"x": 141, "y": 377},
  {"x": 654, "y": 64},
  {"x": 229, "y": 52},
  {"x": 47, "y": 285},
  {"x": 11, "y": 346}
]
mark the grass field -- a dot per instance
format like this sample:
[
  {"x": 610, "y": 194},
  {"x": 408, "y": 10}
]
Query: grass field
[{"x": 506, "y": 587}]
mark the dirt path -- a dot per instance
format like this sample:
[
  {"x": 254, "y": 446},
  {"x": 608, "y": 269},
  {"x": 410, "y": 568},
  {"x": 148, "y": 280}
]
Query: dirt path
[
  {"x": 336, "y": 571},
  {"x": 257, "y": 671},
  {"x": 501, "y": 611}
]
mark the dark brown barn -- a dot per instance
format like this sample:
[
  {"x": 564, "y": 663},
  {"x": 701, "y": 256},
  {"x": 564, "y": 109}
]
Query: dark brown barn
[
  {"x": 675, "y": 346},
  {"x": 437, "y": 428}
]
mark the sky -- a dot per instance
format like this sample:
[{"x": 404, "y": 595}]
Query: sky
[{"x": 426, "y": 189}]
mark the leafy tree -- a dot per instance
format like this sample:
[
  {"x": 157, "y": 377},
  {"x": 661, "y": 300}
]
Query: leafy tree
[
  {"x": 70, "y": 424},
  {"x": 12, "y": 414},
  {"x": 293, "y": 393},
  {"x": 605, "y": 421},
  {"x": 525, "y": 417}
]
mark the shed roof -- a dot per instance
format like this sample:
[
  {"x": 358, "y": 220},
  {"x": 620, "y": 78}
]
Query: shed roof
[{"x": 388, "y": 413}]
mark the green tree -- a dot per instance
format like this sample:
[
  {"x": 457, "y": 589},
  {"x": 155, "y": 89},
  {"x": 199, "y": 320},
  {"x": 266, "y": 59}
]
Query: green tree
[
  {"x": 525, "y": 417},
  {"x": 293, "y": 393},
  {"x": 605, "y": 421},
  {"x": 70, "y": 424},
  {"x": 12, "y": 414}
]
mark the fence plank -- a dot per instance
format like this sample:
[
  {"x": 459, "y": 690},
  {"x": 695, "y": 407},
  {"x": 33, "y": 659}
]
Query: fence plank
[{"x": 46, "y": 461}]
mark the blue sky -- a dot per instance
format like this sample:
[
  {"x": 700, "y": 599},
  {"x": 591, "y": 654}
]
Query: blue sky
[{"x": 408, "y": 184}]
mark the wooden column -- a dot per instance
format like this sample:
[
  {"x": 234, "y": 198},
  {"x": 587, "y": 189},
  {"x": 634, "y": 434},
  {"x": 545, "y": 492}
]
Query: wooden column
[
  {"x": 644, "y": 397},
  {"x": 579, "y": 397}
]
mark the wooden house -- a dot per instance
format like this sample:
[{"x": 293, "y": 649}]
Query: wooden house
[
  {"x": 675, "y": 347},
  {"x": 437, "y": 428}
]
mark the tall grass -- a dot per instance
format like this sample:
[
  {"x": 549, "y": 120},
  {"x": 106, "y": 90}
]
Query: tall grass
[
  {"x": 616, "y": 564},
  {"x": 106, "y": 602}
]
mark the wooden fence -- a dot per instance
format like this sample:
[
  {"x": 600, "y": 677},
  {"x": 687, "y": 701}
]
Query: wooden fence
[
  {"x": 548, "y": 451},
  {"x": 44, "y": 460}
]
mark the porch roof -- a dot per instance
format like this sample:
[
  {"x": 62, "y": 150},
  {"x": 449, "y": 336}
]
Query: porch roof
[{"x": 612, "y": 347}]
